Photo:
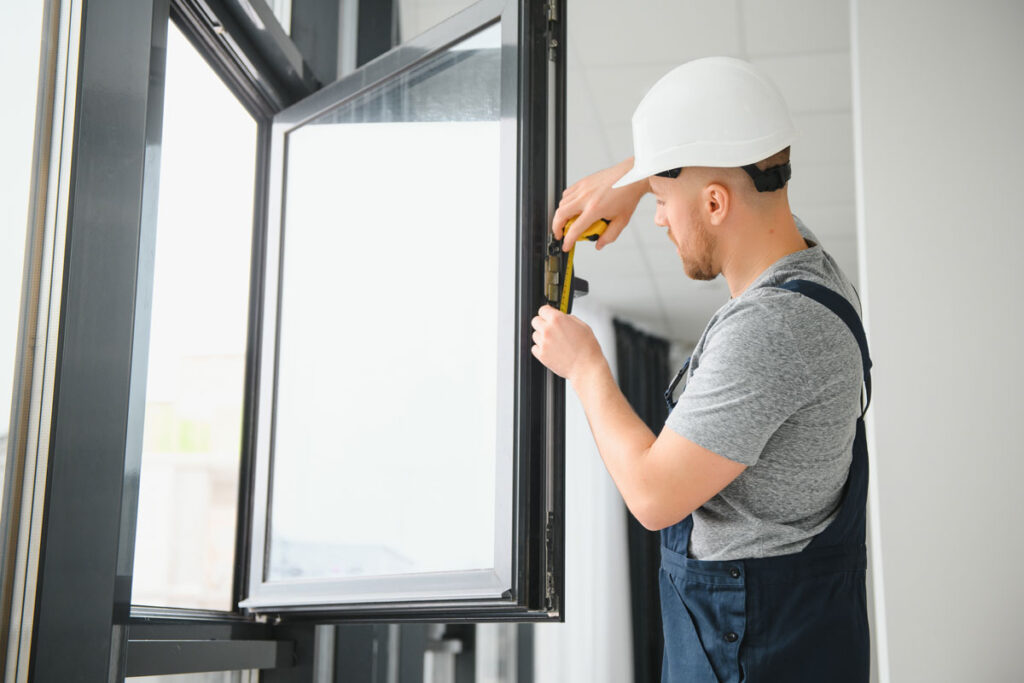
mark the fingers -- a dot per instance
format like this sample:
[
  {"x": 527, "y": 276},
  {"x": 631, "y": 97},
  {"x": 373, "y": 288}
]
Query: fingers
[
  {"x": 611, "y": 233},
  {"x": 539, "y": 322},
  {"x": 567, "y": 208},
  {"x": 584, "y": 221},
  {"x": 562, "y": 215}
]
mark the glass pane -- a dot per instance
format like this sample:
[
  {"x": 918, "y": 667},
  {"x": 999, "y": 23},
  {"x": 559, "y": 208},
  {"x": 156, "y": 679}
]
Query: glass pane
[
  {"x": 20, "y": 26},
  {"x": 205, "y": 677},
  {"x": 386, "y": 423},
  {"x": 184, "y": 547},
  {"x": 416, "y": 16}
]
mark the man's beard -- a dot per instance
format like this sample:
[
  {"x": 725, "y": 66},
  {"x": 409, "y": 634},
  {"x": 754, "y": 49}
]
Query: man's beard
[{"x": 701, "y": 267}]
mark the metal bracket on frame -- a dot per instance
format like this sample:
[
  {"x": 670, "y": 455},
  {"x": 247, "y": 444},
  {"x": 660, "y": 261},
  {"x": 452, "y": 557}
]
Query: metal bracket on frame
[
  {"x": 550, "y": 592},
  {"x": 551, "y": 8}
]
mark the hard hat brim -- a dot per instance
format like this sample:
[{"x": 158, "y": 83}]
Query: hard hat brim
[
  {"x": 717, "y": 154},
  {"x": 634, "y": 174}
]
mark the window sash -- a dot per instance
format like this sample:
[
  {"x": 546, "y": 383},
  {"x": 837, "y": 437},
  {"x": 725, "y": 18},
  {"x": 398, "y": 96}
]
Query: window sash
[{"x": 528, "y": 560}]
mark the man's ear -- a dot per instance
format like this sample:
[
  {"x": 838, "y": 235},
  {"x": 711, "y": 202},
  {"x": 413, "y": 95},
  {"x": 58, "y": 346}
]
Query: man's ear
[{"x": 716, "y": 202}]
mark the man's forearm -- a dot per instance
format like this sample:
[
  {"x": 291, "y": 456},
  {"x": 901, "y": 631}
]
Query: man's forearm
[{"x": 622, "y": 437}]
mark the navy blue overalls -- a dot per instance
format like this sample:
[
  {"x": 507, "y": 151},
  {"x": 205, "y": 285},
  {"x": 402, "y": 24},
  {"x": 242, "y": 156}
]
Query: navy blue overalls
[{"x": 798, "y": 617}]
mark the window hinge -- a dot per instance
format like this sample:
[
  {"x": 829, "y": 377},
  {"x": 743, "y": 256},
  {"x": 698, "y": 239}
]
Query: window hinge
[
  {"x": 551, "y": 272},
  {"x": 551, "y": 9},
  {"x": 550, "y": 593}
]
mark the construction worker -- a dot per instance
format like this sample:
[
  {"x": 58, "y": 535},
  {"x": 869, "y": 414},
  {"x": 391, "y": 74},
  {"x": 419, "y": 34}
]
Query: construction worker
[{"x": 758, "y": 480}]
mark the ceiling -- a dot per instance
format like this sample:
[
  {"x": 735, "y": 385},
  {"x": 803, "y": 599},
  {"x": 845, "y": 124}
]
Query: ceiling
[{"x": 617, "y": 51}]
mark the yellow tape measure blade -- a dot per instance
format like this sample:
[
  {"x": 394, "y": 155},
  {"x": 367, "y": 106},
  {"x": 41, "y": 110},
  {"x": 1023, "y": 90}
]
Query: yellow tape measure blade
[
  {"x": 592, "y": 233},
  {"x": 567, "y": 283}
]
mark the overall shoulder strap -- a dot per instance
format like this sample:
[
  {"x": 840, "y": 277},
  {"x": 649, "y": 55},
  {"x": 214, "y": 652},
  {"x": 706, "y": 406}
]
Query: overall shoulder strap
[{"x": 846, "y": 312}]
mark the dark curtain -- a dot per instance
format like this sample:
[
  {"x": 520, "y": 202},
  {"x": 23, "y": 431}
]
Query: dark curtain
[{"x": 643, "y": 376}]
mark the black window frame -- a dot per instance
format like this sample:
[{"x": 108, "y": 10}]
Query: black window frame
[
  {"x": 528, "y": 506},
  {"x": 95, "y": 433}
]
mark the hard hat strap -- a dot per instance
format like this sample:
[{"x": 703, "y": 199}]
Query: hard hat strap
[
  {"x": 671, "y": 173},
  {"x": 770, "y": 179}
]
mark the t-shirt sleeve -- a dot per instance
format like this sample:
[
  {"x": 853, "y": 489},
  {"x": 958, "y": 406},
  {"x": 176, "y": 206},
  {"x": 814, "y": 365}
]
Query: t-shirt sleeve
[{"x": 749, "y": 380}]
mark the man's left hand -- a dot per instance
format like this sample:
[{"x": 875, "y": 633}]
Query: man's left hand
[{"x": 563, "y": 343}]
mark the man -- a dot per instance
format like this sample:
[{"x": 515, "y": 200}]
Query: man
[{"x": 758, "y": 480}]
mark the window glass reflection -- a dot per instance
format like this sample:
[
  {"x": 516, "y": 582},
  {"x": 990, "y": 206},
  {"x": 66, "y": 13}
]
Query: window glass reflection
[
  {"x": 386, "y": 420},
  {"x": 206, "y": 677},
  {"x": 416, "y": 16},
  {"x": 185, "y": 540}
]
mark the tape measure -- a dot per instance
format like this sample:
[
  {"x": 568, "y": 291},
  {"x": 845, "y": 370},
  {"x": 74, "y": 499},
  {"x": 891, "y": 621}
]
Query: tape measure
[{"x": 568, "y": 285}]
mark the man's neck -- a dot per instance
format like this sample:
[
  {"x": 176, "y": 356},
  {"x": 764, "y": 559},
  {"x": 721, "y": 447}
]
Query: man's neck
[{"x": 765, "y": 240}]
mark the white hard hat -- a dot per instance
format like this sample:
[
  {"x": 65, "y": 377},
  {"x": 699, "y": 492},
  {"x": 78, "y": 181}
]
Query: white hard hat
[{"x": 715, "y": 111}]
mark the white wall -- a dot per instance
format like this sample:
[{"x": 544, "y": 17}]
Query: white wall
[
  {"x": 939, "y": 109},
  {"x": 595, "y": 644}
]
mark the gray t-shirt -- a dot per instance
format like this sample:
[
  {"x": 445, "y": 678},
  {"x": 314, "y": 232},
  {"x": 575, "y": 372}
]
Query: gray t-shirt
[{"x": 774, "y": 383}]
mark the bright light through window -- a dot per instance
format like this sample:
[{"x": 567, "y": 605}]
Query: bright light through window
[
  {"x": 19, "y": 52},
  {"x": 387, "y": 420},
  {"x": 188, "y": 497}
]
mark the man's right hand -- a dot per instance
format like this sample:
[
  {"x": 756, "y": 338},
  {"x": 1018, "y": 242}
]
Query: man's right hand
[{"x": 592, "y": 199}]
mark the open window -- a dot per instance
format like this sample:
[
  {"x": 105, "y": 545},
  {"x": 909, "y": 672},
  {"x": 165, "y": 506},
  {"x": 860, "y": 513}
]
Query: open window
[
  {"x": 409, "y": 448},
  {"x": 401, "y": 451}
]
